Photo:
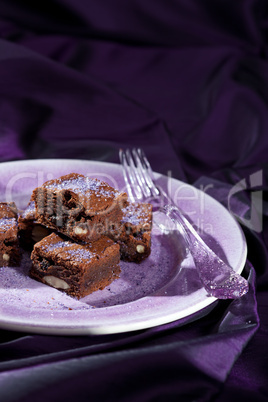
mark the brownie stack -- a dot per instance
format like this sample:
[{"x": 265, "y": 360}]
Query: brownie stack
[{"x": 78, "y": 229}]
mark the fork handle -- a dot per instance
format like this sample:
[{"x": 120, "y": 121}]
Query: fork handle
[
  {"x": 186, "y": 229},
  {"x": 194, "y": 243},
  {"x": 218, "y": 278}
]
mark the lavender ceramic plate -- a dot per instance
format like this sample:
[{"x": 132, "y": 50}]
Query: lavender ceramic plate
[{"x": 162, "y": 289}]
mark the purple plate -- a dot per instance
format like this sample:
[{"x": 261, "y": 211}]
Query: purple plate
[{"x": 162, "y": 289}]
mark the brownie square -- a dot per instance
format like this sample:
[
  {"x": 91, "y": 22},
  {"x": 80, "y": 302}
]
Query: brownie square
[
  {"x": 10, "y": 254},
  {"x": 30, "y": 232},
  {"x": 74, "y": 268},
  {"x": 78, "y": 206},
  {"x": 8, "y": 210},
  {"x": 134, "y": 235}
]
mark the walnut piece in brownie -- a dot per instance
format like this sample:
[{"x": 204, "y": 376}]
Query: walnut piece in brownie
[
  {"x": 79, "y": 207},
  {"x": 10, "y": 254},
  {"x": 76, "y": 269},
  {"x": 30, "y": 232},
  {"x": 134, "y": 235}
]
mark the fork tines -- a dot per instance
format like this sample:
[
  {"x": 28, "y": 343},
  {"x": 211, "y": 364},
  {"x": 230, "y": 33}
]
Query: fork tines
[{"x": 137, "y": 174}]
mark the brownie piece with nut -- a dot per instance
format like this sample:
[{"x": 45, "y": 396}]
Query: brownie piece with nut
[
  {"x": 134, "y": 234},
  {"x": 74, "y": 268},
  {"x": 30, "y": 232},
  {"x": 10, "y": 254},
  {"x": 79, "y": 207}
]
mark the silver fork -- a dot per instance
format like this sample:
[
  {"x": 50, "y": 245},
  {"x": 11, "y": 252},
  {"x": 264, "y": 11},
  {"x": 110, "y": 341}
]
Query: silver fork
[{"x": 217, "y": 277}]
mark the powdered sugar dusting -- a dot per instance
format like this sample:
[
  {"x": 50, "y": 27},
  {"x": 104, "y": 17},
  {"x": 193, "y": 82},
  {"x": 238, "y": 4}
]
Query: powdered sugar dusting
[
  {"x": 84, "y": 185},
  {"x": 72, "y": 251},
  {"x": 30, "y": 210},
  {"x": 80, "y": 254},
  {"x": 7, "y": 223},
  {"x": 49, "y": 247},
  {"x": 135, "y": 214}
]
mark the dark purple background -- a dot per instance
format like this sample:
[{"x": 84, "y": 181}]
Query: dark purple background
[{"x": 188, "y": 81}]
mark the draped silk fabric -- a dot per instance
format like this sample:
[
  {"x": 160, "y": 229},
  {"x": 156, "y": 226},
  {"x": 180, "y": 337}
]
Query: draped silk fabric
[{"x": 187, "y": 80}]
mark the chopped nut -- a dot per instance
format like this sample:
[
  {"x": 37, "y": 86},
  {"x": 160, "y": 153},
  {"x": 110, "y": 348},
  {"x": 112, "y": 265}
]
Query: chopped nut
[
  {"x": 140, "y": 249},
  {"x": 80, "y": 231},
  {"x": 6, "y": 257},
  {"x": 56, "y": 282}
]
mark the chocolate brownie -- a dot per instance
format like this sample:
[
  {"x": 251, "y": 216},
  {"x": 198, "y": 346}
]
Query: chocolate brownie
[
  {"x": 134, "y": 235},
  {"x": 76, "y": 269},
  {"x": 10, "y": 254},
  {"x": 79, "y": 207},
  {"x": 30, "y": 232}
]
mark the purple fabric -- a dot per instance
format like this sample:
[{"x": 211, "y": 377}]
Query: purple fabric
[{"x": 188, "y": 81}]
